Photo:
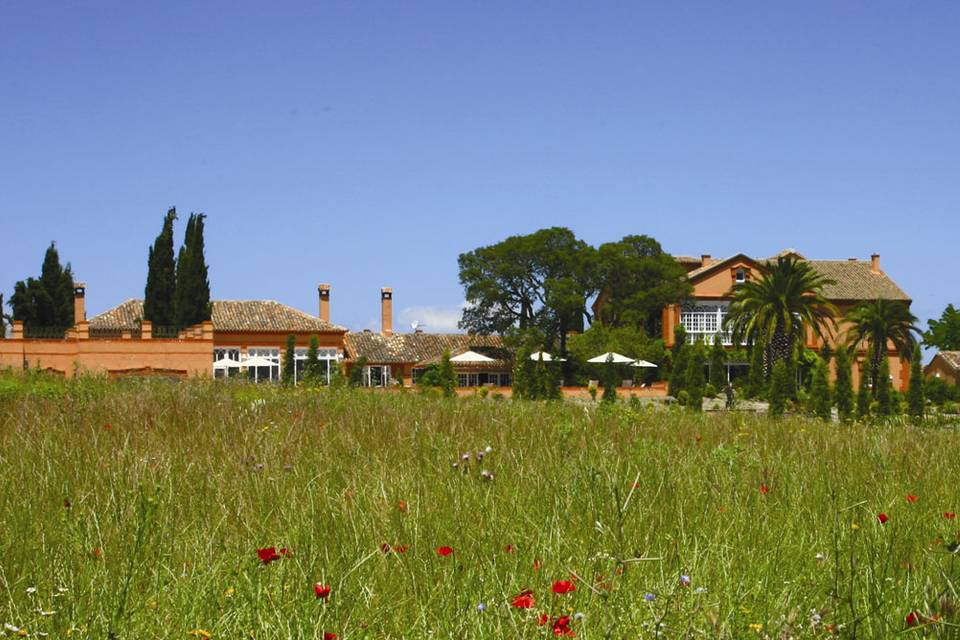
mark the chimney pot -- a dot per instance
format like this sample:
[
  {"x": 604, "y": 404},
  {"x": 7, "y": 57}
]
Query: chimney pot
[
  {"x": 386, "y": 311},
  {"x": 875, "y": 263},
  {"x": 324, "y": 293},
  {"x": 79, "y": 302},
  {"x": 704, "y": 259}
]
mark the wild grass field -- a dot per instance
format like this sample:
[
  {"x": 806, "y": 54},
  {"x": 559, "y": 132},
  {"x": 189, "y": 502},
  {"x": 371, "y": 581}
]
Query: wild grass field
[{"x": 158, "y": 510}]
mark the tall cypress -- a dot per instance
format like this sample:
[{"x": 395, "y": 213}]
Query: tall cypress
[
  {"x": 695, "y": 379},
  {"x": 680, "y": 353},
  {"x": 46, "y": 301},
  {"x": 915, "y": 394},
  {"x": 755, "y": 378},
  {"x": 183, "y": 295},
  {"x": 522, "y": 374},
  {"x": 843, "y": 387},
  {"x": 158, "y": 296},
  {"x": 884, "y": 401},
  {"x": 864, "y": 397},
  {"x": 193, "y": 284},
  {"x": 448, "y": 379},
  {"x": 718, "y": 358},
  {"x": 820, "y": 391},
  {"x": 289, "y": 357}
]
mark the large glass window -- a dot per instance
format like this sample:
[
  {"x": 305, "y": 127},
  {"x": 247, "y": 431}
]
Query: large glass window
[
  {"x": 269, "y": 368},
  {"x": 327, "y": 356},
  {"x": 377, "y": 375},
  {"x": 228, "y": 354},
  {"x": 703, "y": 321}
]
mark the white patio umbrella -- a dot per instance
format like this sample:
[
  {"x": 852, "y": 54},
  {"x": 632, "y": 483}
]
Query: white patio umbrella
[
  {"x": 470, "y": 357},
  {"x": 643, "y": 363},
  {"x": 258, "y": 361},
  {"x": 227, "y": 363},
  {"x": 546, "y": 357},
  {"x": 612, "y": 357}
]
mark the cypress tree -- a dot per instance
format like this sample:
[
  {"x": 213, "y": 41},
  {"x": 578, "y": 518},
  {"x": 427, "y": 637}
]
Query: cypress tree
[
  {"x": 183, "y": 294},
  {"x": 522, "y": 373},
  {"x": 555, "y": 383},
  {"x": 57, "y": 282},
  {"x": 718, "y": 358},
  {"x": 286, "y": 376},
  {"x": 884, "y": 403},
  {"x": 541, "y": 380},
  {"x": 448, "y": 379},
  {"x": 311, "y": 368},
  {"x": 915, "y": 394},
  {"x": 192, "y": 299},
  {"x": 158, "y": 297},
  {"x": 863, "y": 394},
  {"x": 755, "y": 379},
  {"x": 680, "y": 352},
  {"x": 610, "y": 375},
  {"x": 779, "y": 389},
  {"x": 355, "y": 377},
  {"x": 820, "y": 391},
  {"x": 843, "y": 388},
  {"x": 695, "y": 379}
]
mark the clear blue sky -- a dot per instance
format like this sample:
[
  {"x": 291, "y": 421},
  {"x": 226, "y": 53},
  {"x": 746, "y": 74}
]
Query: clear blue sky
[{"x": 367, "y": 144}]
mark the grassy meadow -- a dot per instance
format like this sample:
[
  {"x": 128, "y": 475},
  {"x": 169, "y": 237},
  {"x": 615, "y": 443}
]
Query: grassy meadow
[{"x": 137, "y": 509}]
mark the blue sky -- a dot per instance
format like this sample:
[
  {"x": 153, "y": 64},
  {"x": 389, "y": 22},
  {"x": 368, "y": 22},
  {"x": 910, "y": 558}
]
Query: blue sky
[{"x": 367, "y": 144}]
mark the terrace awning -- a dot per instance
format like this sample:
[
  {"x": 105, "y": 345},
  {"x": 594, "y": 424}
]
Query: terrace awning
[
  {"x": 643, "y": 363},
  {"x": 470, "y": 357},
  {"x": 227, "y": 363},
  {"x": 546, "y": 357},
  {"x": 612, "y": 357}
]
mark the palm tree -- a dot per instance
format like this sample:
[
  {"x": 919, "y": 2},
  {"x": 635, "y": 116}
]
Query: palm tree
[
  {"x": 878, "y": 321},
  {"x": 773, "y": 310}
]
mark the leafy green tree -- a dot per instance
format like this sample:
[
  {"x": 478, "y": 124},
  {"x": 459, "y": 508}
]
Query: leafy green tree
[
  {"x": 448, "y": 379},
  {"x": 537, "y": 280},
  {"x": 774, "y": 308},
  {"x": 192, "y": 298},
  {"x": 355, "y": 377},
  {"x": 884, "y": 403},
  {"x": 916, "y": 402},
  {"x": 695, "y": 382},
  {"x": 756, "y": 380},
  {"x": 877, "y": 322},
  {"x": 287, "y": 374},
  {"x": 630, "y": 341},
  {"x": 637, "y": 279},
  {"x": 820, "y": 392},
  {"x": 718, "y": 359},
  {"x": 680, "y": 353},
  {"x": 843, "y": 387},
  {"x": 610, "y": 380},
  {"x": 944, "y": 334},
  {"x": 46, "y": 301},
  {"x": 158, "y": 297},
  {"x": 541, "y": 380},
  {"x": 863, "y": 394},
  {"x": 779, "y": 389}
]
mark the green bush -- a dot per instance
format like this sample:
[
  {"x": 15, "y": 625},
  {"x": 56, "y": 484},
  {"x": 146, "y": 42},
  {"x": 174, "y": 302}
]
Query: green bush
[{"x": 710, "y": 391}]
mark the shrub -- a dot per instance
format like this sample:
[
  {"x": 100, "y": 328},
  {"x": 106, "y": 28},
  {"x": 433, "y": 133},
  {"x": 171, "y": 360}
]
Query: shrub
[
  {"x": 915, "y": 396},
  {"x": 843, "y": 388},
  {"x": 755, "y": 376},
  {"x": 678, "y": 375},
  {"x": 884, "y": 403},
  {"x": 683, "y": 397},
  {"x": 355, "y": 377},
  {"x": 863, "y": 394},
  {"x": 820, "y": 392},
  {"x": 286, "y": 375},
  {"x": 448, "y": 380},
  {"x": 710, "y": 391},
  {"x": 695, "y": 380},
  {"x": 718, "y": 358},
  {"x": 779, "y": 389},
  {"x": 610, "y": 374}
]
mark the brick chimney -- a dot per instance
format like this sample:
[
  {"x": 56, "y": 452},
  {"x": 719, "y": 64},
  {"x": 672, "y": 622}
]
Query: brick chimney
[
  {"x": 79, "y": 302},
  {"x": 875, "y": 263},
  {"x": 324, "y": 292},
  {"x": 704, "y": 259},
  {"x": 386, "y": 311}
]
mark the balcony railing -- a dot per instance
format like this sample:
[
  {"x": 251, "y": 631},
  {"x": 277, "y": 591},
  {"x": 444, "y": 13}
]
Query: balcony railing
[
  {"x": 44, "y": 333},
  {"x": 161, "y": 331}
]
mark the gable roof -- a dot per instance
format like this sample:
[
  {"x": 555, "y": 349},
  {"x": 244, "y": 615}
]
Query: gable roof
[
  {"x": 853, "y": 279},
  {"x": 952, "y": 358},
  {"x": 414, "y": 347},
  {"x": 227, "y": 315}
]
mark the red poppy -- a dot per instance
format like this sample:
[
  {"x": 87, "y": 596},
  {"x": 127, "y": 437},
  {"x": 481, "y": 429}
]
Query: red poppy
[
  {"x": 949, "y": 515},
  {"x": 97, "y": 552},
  {"x": 385, "y": 547},
  {"x": 508, "y": 548},
  {"x": 108, "y": 426},
  {"x": 911, "y": 498},
  {"x": 267, "y": 555},
  {"x": 536, "y": 565},
  {"x": 882, "y": 517},
  {"x": 913, "y": 618},
  {"x": 523, "y": 600},
  {"x": 563, "y": 586},
  {"x": 444, "y": 551},
  {"x": 329, "y": 635},
  {"x": 401, "y": 548},
  {"x": 764, "y": 489},
  {"x": 561, "y": 627},
  {"x": 402, "y": 505},
  {"x": 286, "y": 553},
  {"x": 636, "y": 485},
  {"x": 322, "y": 591},
  {"x": 542, "y": 619}
]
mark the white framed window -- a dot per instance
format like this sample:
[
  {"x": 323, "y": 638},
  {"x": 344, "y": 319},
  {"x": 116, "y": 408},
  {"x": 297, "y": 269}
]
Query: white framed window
[
  {"x": 376, "y": 375},
  {"x": 326, "y": 356},
  {"x": 741, "y": 275},
  {"x": 269, "y": 370},
  {"x": 704, "y": 320},
  {"x": 226, "y": 371}
]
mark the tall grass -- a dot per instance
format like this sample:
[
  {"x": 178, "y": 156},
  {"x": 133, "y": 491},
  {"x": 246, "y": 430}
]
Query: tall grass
[{"x": 135, "y": 510}]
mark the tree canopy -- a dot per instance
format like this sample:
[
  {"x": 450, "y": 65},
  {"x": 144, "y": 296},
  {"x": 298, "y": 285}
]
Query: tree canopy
[
  {"x": 46, "y": 301},
  {"x": 944, "y": 334},
  {"x": 159, "y": 294},
  {"x": 192, "y": 298}
]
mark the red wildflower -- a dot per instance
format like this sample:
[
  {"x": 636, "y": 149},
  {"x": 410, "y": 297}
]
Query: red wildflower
[
  {"x": 508, "y": 548},
  {"x": 563, "y": 586},
  {"x": 108, "y": 426},
  {"x": 329, "y": 635},
  {"x": 911, "y": 498},
  {"x": 542, "y": 619},
  {"x": 561, "y": 627},
  {"x": 97, "y": 552},
  {"x": 267, "y": 555},
  {"x": 882, "y": 517},
  {"x": 764, "y": 489},
  {"x": 444, "y": 551},
  {"x": 523, "y": 600},
  {"x": 322, "y": 591},
  {"x": 286, "y": 553},
  {"x": 401, "y": 548},
  {"x": 385, "y": 547},
  {"x": 913, "y": 618},
  {"x": 536, "y": 565},
  {"x": 949, "y": 515},
  {"x": 402, "y": 505},
  {"x": 636, "y": 485}
]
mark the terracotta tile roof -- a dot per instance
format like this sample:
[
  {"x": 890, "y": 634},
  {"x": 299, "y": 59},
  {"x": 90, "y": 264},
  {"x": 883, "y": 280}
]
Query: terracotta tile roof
[
  {"x": 952, "y": 358},
  {"x": 228, "y": 315},
  {"x": 502, "y": 358},
  {"x": 413, "y": 347},
  {"x": 853, "y": 279}
]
